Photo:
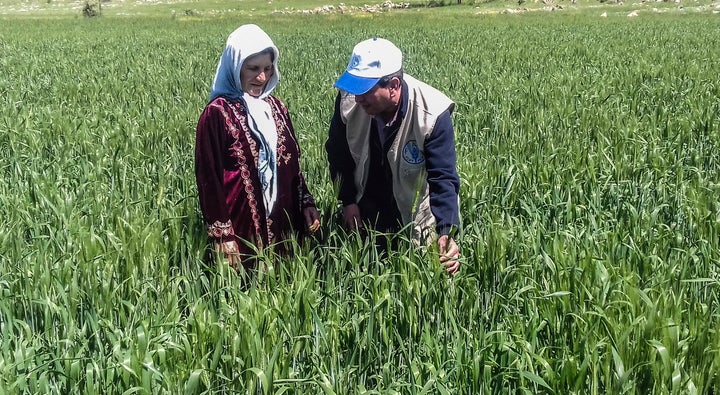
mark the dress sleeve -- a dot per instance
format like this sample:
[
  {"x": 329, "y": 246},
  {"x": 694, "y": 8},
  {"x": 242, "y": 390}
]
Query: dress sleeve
[
  {"x": 306, "y": 198},
  {"x": 342, "y": 165},
  {"x": 210, "y": 146}
]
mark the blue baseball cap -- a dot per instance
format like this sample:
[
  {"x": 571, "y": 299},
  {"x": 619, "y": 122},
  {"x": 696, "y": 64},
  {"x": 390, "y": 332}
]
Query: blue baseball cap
[{"x": 371, "y": 60}]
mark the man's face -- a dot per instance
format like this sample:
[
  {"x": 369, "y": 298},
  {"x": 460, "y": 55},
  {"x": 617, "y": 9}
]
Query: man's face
[{"x": 380, "y": 100}]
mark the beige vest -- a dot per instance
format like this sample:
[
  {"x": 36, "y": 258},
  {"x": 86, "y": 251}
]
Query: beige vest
[{"x": 410, "y": 186}]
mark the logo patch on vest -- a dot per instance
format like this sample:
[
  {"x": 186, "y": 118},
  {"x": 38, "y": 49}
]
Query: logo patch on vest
[{"x": 412, "y": 154}]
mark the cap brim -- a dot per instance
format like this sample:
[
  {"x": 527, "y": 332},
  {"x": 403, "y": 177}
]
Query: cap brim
[{"x": 354, "y": 84}]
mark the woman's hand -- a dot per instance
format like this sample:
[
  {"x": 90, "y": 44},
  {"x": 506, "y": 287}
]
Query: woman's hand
[
  {"x": 231, "y": 252},
  {"x": 312, "y": 218}
]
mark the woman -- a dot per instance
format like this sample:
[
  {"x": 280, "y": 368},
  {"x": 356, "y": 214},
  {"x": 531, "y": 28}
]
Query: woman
[{"x": 247, "y": 160}]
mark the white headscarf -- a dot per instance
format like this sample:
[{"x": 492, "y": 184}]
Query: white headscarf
[{"x": 245, "y": 41}]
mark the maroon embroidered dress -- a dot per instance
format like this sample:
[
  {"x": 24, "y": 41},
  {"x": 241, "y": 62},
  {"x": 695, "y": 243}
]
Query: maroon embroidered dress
[{"x": 230, "y": 193}]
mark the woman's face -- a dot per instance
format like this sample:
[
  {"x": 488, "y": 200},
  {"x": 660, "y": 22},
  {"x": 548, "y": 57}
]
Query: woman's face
[{"x": 256, "y": 71}]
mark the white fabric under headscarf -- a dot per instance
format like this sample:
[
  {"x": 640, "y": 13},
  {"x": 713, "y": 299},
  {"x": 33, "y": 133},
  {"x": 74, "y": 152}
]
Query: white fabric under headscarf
[{"x": 245, "y": 41}]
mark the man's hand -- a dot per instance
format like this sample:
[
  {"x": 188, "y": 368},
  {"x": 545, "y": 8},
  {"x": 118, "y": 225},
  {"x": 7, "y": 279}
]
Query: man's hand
[
  {"x": 312, "y": 218},
  {"x": 351, "y": 216},
  {"x": 449, "y": 254}
]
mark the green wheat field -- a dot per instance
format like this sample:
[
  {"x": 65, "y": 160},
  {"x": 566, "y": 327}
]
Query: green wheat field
[{"x": 588, "y": 147}]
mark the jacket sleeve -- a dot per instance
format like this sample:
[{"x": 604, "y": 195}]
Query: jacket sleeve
[
  {"x": 342, "y": 165},
  {"x": 209, "y": 150},
  {"x": 443, "y": 179}
]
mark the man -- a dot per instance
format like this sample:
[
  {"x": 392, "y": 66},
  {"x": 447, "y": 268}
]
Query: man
[{"x": 391, "y": 149}]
